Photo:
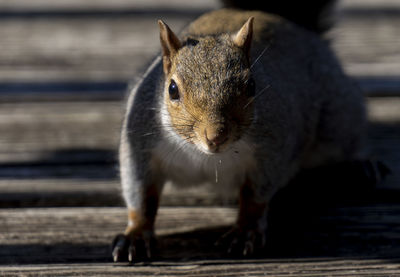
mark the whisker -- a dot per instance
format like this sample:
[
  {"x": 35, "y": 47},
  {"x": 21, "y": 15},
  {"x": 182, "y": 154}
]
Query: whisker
[
  {"x": 148, "y": 134},
  {"x": 170, "y": 156},
  {"x": 258, "y": 94},
  {"x": 259, "y": 56},
  {"x": 216, "y": 170}
]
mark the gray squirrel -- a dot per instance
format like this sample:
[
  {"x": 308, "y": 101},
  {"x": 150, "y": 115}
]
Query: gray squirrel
[{"x": 241, "y": 99}]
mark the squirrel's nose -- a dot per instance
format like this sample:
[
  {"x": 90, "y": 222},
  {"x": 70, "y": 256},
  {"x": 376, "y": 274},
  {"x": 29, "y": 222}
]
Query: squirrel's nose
[{"x": 216, "y": 136}]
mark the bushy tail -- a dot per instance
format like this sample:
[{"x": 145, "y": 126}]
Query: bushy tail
[{"x": 315, "y": 15}]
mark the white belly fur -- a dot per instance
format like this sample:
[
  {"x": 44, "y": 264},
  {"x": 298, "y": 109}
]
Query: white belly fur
[{"x": 183, "y": 164}]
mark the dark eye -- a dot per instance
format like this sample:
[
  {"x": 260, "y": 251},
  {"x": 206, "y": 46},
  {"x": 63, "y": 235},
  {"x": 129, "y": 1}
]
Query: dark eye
[
  {"x": 173, "y": 91},
  {"x": 251, "y": 88}
]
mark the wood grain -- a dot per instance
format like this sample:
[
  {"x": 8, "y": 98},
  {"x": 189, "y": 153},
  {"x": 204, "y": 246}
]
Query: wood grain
[
  {"x": 59, "y": 242},
  {"x": 70, "y": 128},
  {"x": 113, "y": 41},
  {"x": 282, "y": 267},
  {"x": 64, "y": 69},
  {"x": 64, "y": 154}
]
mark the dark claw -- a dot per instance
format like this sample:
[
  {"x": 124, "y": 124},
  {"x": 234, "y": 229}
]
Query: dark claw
[
  {"x": 248, "y": 249},
  {"x": 132, "y": 250},
  {"x": 119, "y": 248},
  {"x": 233, "y": 245},
  {"x": 249, "y": 244},
  {"x": 148, "y": 247},
  {"x": 242, "y": 242}
]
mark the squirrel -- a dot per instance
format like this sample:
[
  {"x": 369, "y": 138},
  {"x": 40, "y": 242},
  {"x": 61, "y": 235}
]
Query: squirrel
[{"x": 242, "y": 99}]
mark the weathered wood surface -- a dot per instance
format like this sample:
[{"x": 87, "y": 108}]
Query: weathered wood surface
[
  {"x": 58, "y": 132},
  {"x": 89, "y": 191},
  {"x": 54, "y": 127},
  {"x": 64, "y": 69},
  {"x": 352, "y": 241},
  {"x": 109, "y": 42},
  {"x": 262, "y": 267},
  {"x": 81, "y": 138},
  {"x": 77, "y": 163}
]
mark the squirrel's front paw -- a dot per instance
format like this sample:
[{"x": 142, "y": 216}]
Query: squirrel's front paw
[
  {"x": 242, "y": 242},
  {"x": 133, "y": 248}
]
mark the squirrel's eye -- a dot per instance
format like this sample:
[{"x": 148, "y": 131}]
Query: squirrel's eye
[
  {"x": 251, "y": 88},
  {"x": 173, "y": 91}
]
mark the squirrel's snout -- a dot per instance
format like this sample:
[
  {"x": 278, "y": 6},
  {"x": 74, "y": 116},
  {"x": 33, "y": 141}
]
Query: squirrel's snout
[{"x": 216, "y": 136}]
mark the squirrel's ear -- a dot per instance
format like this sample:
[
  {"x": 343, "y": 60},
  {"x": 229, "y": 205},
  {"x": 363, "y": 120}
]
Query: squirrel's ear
[
  {"x": 170, "y": 45},
  {"x": 243, "y": 37}
]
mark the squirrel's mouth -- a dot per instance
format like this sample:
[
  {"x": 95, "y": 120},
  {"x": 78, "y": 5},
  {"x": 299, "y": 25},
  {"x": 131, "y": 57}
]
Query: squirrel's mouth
[
  {"x": 213, "y": 138},
  {"x": 210, "y": 148},
  {"x": 219, "y": 147}
]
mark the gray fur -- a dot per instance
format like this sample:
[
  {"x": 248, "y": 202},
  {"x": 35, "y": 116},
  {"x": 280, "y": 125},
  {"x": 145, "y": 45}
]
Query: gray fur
[
  {"x": 140, "y": 131},
  {"x": 310, "y": 114}
]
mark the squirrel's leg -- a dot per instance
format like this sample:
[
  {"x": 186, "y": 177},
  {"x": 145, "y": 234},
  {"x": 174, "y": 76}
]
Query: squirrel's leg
[
  {"x": 249, "y": 232},
  {"x": 142, "y": 182},
  {"x": 138, "y": 240}
]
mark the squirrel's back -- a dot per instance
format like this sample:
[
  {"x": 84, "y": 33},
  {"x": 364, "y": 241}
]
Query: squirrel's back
[
  {"x": 314, "y": 15},
  {"x": 231, "y": 20}
]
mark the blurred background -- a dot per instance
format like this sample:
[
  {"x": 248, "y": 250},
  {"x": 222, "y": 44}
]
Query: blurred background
[{"x": 65, "y": 67}]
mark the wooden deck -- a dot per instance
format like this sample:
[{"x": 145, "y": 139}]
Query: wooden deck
[{"x": 64, "y": 69}]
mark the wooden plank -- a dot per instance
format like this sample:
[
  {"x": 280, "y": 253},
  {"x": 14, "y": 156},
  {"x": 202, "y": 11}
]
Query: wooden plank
[
  {"x": 65, "y": 232},
  {"x": 89, "y": 190},
  {"x": 38, "y": 131},
  {"x": 59, "y": 242},
  {"x": 365, "y": 38},
  {"x": 176, "y": 4},
  {"x": 293, "y": 267},
  {"x": 64, "y": 154},
  {"x": 116, "y": 47},
  {"x": 62, "y": 127},
  {"x": 63, "y": 91},
  {"x": 384, "y": 110},
  {"x": 99, "y": 186},
  {"x": 37, "y": 192},
  {"x": 68, "y": 131},
  {"x": 384, "y": 135},
  {"x": 120, "y": 37},
  {"x": 368, "y": 4},
  {"x": 76, "y": 5}
]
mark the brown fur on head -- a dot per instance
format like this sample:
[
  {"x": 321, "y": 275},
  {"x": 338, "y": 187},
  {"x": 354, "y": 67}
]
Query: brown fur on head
[{"x": 208, "y": 88}]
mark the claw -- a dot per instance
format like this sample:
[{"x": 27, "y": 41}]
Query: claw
[
  {"x": 263, "y": 241},
  {"x": 248, "y": 248},
  {"x": 116, "y": 255},
  {"x": 242, "y": 242},
  {"x": 147, "y": 246},
  {"x": 119, "y": 245},
  {"x": 132, "y": 249},
  {"x": 233, "y": 245},
  {"x": 131, "y": 253},
  {"x": 249, "y": 243}
]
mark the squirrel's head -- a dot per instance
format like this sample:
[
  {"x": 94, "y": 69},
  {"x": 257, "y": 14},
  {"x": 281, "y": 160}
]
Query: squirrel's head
[{"x": 208, "y": 91}]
